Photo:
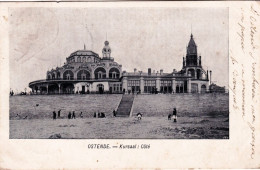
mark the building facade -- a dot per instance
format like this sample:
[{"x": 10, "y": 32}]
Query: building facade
[{"x": 86, "y": 72}]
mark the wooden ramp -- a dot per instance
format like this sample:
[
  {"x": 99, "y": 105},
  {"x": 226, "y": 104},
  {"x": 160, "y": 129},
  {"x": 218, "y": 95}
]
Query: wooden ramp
[{"x": 125, "y": 106}]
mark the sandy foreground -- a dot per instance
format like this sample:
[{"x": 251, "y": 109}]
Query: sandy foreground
[{"x": 203, "y": 127}]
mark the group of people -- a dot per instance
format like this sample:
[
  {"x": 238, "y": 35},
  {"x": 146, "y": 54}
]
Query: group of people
[
  {"x": 99, "y": 115},
  {"x": 70, "y": 115},
  {"x": 54, "y": 115},
  {"x": 173, "y": 115}
]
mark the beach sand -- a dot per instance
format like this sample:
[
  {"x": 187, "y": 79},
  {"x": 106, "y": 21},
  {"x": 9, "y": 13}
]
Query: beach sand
[
  {"x": 201, "y": 116},
  {"x": 118, "y": 128}
]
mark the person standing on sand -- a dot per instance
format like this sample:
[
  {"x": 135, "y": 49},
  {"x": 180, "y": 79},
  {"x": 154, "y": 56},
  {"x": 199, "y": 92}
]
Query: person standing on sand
[
  {"x": 174, "y": 114},
  {"x": 139, "y": 116},
  {"x": 54, "y": 115},
  {"x": 114, "y": 113},
  {"x": 69, "y": 115},
  {"x": 73, "y": 115},
  {"x": 81, "y": 115},
  {"x": 59, "y": 113}
]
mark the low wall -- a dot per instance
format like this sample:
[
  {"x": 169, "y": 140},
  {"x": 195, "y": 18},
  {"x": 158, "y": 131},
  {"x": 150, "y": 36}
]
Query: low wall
[
  {"x": 186, "y": 104},
  {"x": 87, "y": 104}
]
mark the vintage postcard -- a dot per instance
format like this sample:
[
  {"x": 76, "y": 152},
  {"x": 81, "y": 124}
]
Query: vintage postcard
[{"x": 130, "y": 85}]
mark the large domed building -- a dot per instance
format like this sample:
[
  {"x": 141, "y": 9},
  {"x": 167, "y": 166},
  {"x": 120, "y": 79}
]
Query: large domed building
[{"x": 86, "y": 72}]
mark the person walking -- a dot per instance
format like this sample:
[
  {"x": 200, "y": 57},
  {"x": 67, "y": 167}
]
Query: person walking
[{"x": 73, "y": 115}]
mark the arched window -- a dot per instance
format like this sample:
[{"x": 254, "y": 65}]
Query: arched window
[
  {"x": 68, "y": 75},
  {"x": 114, "y": 73},
  {"x": 89, "y": 59},
  {"x": 79, "y": 59},
  {"x": 192, "y": 72},
  {"x": 49, "y": 77},
  {"x": 53, "y": 75},
  {"x": 100, "y": 73},
  {"x": 203, "y": 88},
  {"x": 83, "y": 75},
  {"x": 84, "y": 59}
]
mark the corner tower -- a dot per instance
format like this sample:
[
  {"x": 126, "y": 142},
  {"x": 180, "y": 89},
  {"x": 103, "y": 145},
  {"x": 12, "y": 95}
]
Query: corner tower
[{"x": 192, "y": 62}]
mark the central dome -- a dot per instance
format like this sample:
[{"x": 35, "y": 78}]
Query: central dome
[{"x": 106, "y": 43}]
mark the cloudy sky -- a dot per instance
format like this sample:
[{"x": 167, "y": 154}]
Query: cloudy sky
[{"x": 141, "y": 38}]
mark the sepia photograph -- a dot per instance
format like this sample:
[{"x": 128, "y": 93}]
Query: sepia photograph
[{"x": 119, "y": 73}]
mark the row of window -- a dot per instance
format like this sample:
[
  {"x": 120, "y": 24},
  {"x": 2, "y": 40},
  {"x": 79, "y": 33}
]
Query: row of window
[
  {"x": 149, "y": 83},
  {"x": 82, "y": 59},
  {"x": 83, "y": 74},
  {"x": 133, "y": 83},
  {"x": 115, "y": 87},
  {"x": 166, "y": 83}
]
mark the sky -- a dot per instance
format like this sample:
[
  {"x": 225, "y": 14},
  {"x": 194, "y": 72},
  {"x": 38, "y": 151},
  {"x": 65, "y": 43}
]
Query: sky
[{"x": 41, "y": 38}]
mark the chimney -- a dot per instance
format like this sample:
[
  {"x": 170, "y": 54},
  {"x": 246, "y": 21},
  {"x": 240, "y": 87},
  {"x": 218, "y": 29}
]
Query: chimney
[
  {"x": 149, "y": 71},
  {"x": 161, "y": 71},
  {"x": 153, "y": 71},
  {"x": 134, "y": 70}
]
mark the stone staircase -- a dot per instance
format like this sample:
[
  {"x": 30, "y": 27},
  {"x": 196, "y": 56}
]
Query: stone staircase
[{"x": 125, "y": 106}]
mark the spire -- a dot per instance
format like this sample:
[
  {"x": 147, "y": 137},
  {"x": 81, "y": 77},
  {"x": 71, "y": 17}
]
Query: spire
[
  {"x": 192, "y": 47},
  {"x": 191, "y": 30}
]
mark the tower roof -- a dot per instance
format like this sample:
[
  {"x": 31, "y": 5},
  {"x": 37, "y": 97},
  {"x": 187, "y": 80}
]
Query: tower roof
[
  {"x": 192, "y": 47},
  {"x": 106, "y": 51},
  {"x": 106, "y": 48}
]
